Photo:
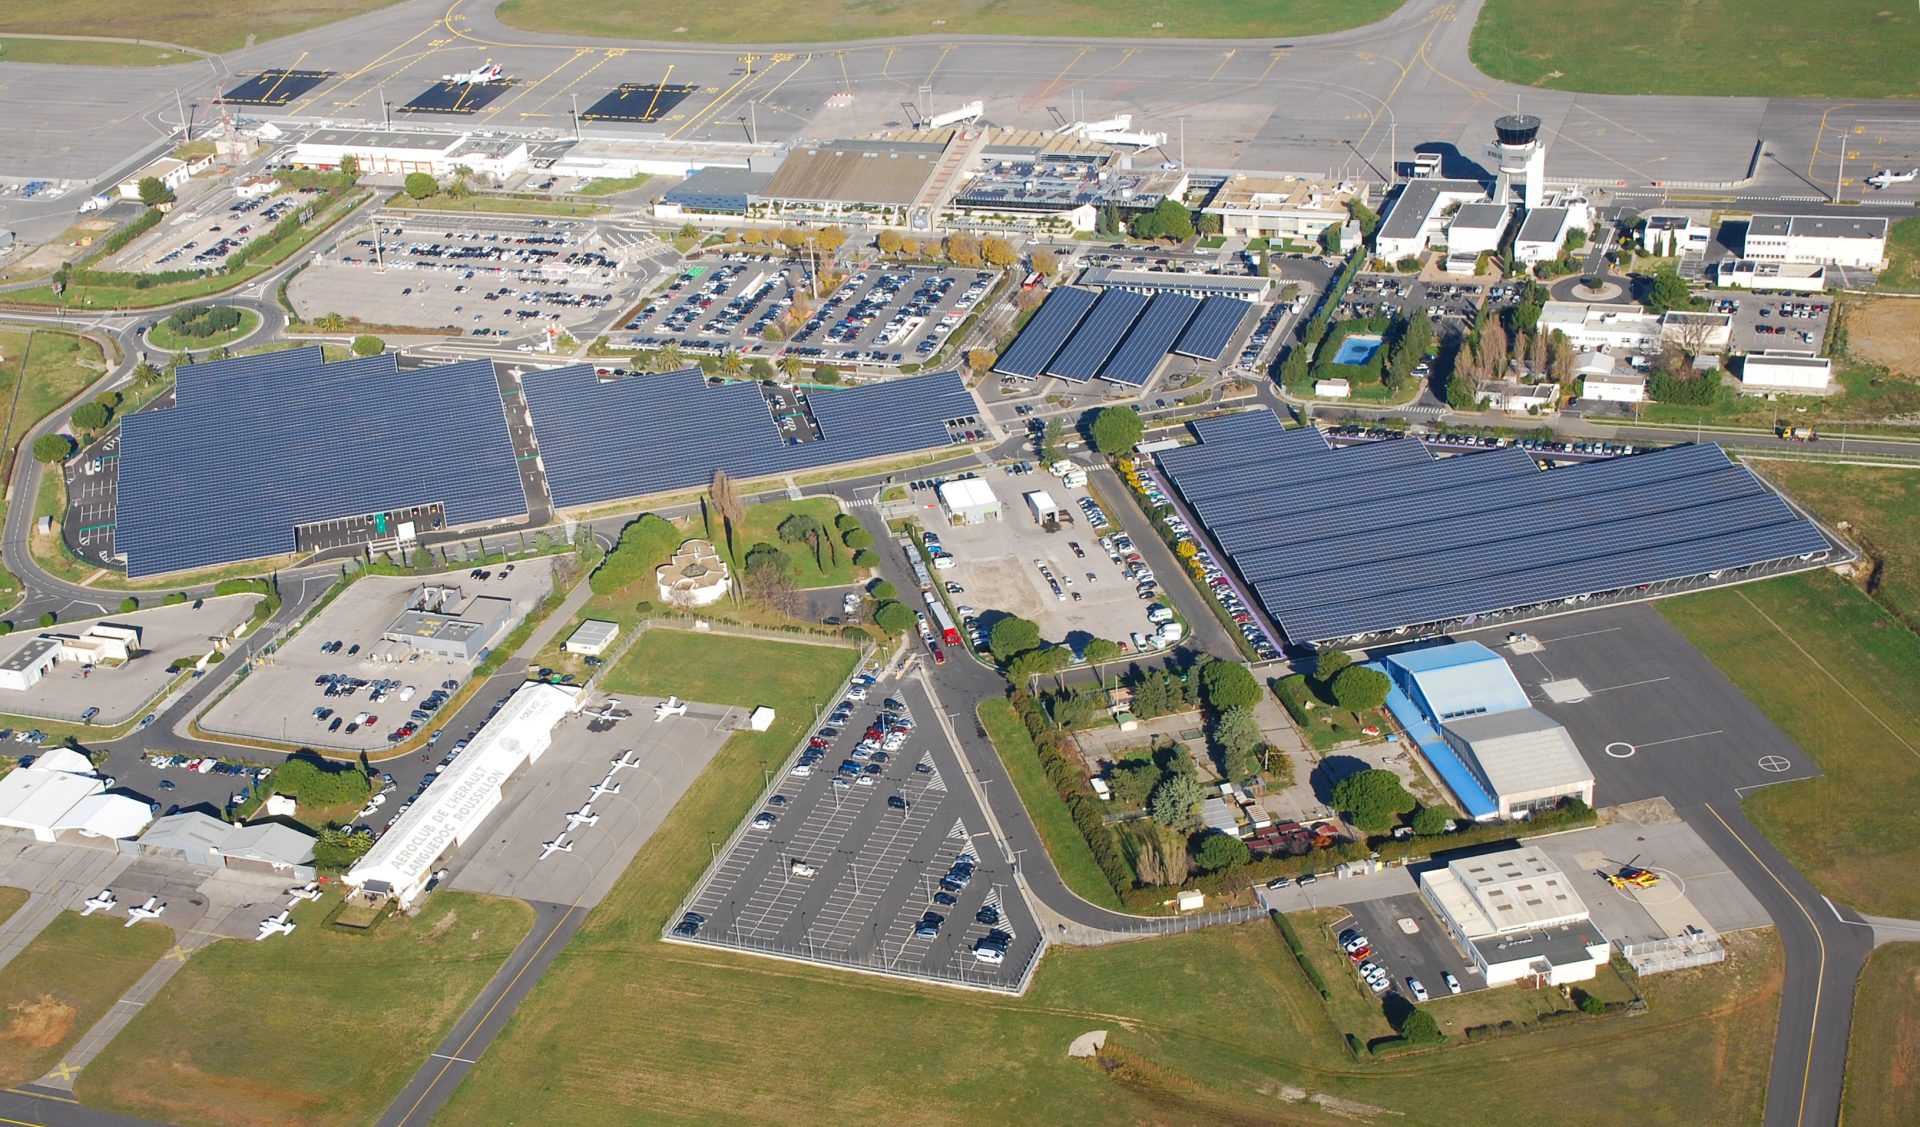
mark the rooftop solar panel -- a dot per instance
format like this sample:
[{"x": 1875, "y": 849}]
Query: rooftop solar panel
[
  {"x": 1339, "y": 544},
  {"x": 606, "y": 440},
  {"x": 1213, "y": 327},
  {"x": 253, "y": 449},
  {"x": 1098, "y": 336},
  {"x": 1133, "y": 363},
  {"x": 1046, "y": 331}
]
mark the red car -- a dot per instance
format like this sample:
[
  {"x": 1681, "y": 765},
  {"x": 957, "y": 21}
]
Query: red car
[{"x": 939, "y": 656}]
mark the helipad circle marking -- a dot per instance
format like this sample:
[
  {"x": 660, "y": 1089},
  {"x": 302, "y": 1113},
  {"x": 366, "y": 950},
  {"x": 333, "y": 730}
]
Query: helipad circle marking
[
  {"x": 1620, "y": 749},
  {"x": 1775, "y": 763}
]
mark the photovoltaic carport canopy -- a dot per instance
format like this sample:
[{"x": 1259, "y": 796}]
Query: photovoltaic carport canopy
[
  {"x": 602, "y": 440},
  {"x": 1213, "y": 327},
  {"x": 1046, "y": 332},
  {"x": 1341, "y": 543},
  {"x": 1098, "y": 336},
  {"x": 257, "y": 445},
  {"x": 1133, "y": 363}
]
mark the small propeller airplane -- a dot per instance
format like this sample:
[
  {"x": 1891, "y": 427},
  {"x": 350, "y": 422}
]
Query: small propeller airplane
[
  {"x": 672, "y": 706},
  {"x": 101, "y": 903},
  {"x": 557, "y": 845},
  {"x": 604, "y": 787},
  {"x": 149, "y": 911},
  {"x": 308, "y": 891},
  {"x": 276, "y": 925},
  {"x": 582, "y": 817},
  {"x": 625, "y": 761},
  {"x": 1887, "y": 177}
]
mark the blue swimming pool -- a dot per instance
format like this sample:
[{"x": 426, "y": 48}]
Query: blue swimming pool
[{"x": 1357, "y": 350}]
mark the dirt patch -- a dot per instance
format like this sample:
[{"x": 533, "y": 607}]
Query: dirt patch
[
  {"x": 1887, "y": 331},
  {"x": 442, "y": 925},
  {"x": 39, "y": 1023}
]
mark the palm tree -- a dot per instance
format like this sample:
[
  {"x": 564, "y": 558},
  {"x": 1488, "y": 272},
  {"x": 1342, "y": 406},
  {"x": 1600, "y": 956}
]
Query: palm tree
[
  {"x": 791, "y": 366},
  {"x": 672, "y": 359}
]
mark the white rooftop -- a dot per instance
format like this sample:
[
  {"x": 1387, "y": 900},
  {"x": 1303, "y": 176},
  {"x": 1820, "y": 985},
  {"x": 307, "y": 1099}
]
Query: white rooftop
[
  {"x": 1500, "y": 893},
  {"x": 1523, "y": 751},
  {"x": 968, "y": 493},
  {"x": 31, "y": 797},
  {"x": 106, "y": 815}
]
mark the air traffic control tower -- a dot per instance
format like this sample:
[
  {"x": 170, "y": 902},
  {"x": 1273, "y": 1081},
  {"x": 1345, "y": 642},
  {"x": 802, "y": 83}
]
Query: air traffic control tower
[{"x": 1518, "y": 155}]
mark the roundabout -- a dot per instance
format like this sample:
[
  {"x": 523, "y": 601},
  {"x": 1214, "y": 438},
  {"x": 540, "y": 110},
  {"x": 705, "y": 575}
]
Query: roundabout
[{"x": 199, "y": 328}]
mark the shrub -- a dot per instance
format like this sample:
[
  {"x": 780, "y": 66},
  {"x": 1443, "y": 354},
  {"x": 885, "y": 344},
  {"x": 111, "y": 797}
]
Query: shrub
[
  {"x": 129, "y": 604},
  {"x": 866, "y": 557},
  {"x": 645, "y": 543},
  {"x": 857, "y": 537},
  {"x": 1419, "y": 1028},
  {"x": 1220, "y": 851},
  {"x": 52, "y": 448},
  {"x": 1430, "y": 820},
  {"x": 368, "y": 345},
  {"x": 893, "y": 617},
  {"x": 47, "y": 619},
  {"x": 174, "y": 599},
  {"x": 316, "y": 782},
  {"x": 881, "y": 589}
]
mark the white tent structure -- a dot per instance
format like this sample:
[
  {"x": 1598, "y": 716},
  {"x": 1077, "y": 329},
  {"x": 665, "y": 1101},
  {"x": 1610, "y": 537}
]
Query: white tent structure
[
  {"x": 448, "y": 812},
  {"x": 64, "y": 759},
  {"x": 35, "y": 800},
  {"x": 105, "y": 815}
]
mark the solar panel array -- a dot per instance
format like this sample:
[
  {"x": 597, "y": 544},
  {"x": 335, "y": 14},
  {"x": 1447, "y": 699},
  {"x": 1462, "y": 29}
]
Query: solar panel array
[
  {"x": 606, "y": 440},
  {"x": 257, "y": 445},
  {"x": 1213, "y": 327},
  {"x": 1098, "y": 336},
  {"x": 1146, "y": 345},
  {"x": 1341, "y": 543},
  {"x": 1046, "y": 331}
]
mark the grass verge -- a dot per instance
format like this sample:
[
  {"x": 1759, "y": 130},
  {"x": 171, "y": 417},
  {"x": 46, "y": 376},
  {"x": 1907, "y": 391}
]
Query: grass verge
[
  {"x": 760, "y": 524},
  {"x": 1702, "y": 47},
  {"x": 167, "y": 340},
  {"x": 1069, "y": 851},
  {"x": 1902, "y": 274},
  {"x": 210, "y": 27},
  {"x": 1884, "y": 1051},
  {"x": 10, "y": 901},
  {"x": 323, "y": 1026},
  {"x": 613, "y": 186},
  {"x": 496, "y": 205},
  {"x": 64, "y": 981},
  {"x": 1881, "y": 506},
  {"x": 1841, "y": 678},
  {"x": 84, "y": 53},
  {"x": 817, "y": 21}
]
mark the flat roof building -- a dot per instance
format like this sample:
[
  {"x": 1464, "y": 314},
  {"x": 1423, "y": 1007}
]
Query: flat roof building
[
  {"x": 591, "y": 638},
  {"x": 1285, "y": 208},
  {"x": 391, "y": 153},
  {"x": 1544, "y": 232},
  {"x": 24, "y": 668},
  {"x": 1676, "y": 232},
  {"x": 713, "y": 191},
  {"x": 1517, "y": 917},
  {"x": 1764, "y": 372},
  {"x": 437, "y": 622},
  {"x": 1418, "y": 214},
  {"x": 969, "y": 501},
  {"x": 1624, "y": 328},
  {"x": 853, "y": 175},
  {"x": 1791, "y": 277},
  {"x": 1477, "y": 228},
  {"x": 1836, "y": 240}
]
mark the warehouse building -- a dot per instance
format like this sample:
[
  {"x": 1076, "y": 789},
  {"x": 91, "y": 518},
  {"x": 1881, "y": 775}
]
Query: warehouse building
[
  {"x": 1764, "y": 373},
  {"x": 1834, "y": 240},
  {"x": 441, "y": 622},
  {"x": 1517, "y": 917},
  {"x": 455, "y": 804},
  {"x": 61, "y": 798},
  {"x": 592, "y": 638},
  {"x": 969, "y": 500},
  {"x": 713, "y": 191},
  {"x": 1419, "y": 214}
]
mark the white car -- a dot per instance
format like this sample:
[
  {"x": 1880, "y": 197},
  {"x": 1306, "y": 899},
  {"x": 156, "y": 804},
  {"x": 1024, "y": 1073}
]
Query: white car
[
  {"x": 991, "y": 955},
  {"x": 801, "y": 869},
  {"x": 407, "y": 693},
  {"x": 1419, "y": 991},
  {"x": 1453, "y": 984},
  {"x": 764, "y": 821},
  {"x": 801, "y": 770}
]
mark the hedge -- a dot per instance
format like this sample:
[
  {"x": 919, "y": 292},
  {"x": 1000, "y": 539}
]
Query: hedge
[
  {"x": 1064, "y": 772},
  {"x": 1299, "y": 952}
]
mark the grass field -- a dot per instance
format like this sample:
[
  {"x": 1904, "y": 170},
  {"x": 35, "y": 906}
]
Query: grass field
[
  {"x": 495, "y": 205},
  {"x": 10, "y": 901},
  {"x": 64, "y": 981},
  {"x": 721, "y": 669},
  {"x": 59, "y": 367},
  {"x": 1215, "y": 1025},
  {"x": 760, "y": 524},
  {"x": 166, "y": 338},
  {"x": 1883, "y": 1056},
  {"x": 209, "y": 27},
  {"x": 1882, "y": 508},
  {"x": 82, "y": 53},
  {"x": 323, "y": 1026},
  {"x": 1709, "y": 47},
  {"x": 1903, "y": 258},
  {"x": 1069, "y": 851},
  {"x": 1840, "y": 677},
  {"x": 815, "y": 21},
  {"x": 613, "y": 186}
]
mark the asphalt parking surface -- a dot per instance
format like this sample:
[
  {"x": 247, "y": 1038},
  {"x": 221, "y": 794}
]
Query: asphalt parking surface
[
  {"x": 1425, "y": 954},
  {"x": 1654, "y": 717},
  {"x": 876, "y": 867}
]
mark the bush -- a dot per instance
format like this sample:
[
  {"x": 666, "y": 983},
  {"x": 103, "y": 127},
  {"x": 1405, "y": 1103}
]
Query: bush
[
  {"x": 1589, "y": 1004},
  {"x": 1419, "y": 1028},
  {"x": 129, "y": 604},
  {"x": 368, "y": 345},
  {"x": 894, "y": 618},
  {"x": 174, "y": 599},
  {"x": 203, "y": 321},
  {"x": 421, "y": 185},
  {"x": 316, "y": 782},
  {"x": 1430, "y": 820},
  {"x": 90, "y": 416},
  {"x": 1372, "y": 799},
  {"x": 866, "y": 557},
  {"x": 1219, "y": 852},
  {"x": 47, "y": 619},
  {"x": 645, "y": 543},
  {"x": 881, "y": 589},
  {"x": 857, "y": 537},
  {"x": 1229, "y": 684}
]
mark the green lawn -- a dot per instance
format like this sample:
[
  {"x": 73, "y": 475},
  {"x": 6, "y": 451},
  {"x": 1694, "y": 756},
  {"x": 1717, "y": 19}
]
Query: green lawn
[
  {"x": 1069, "y": 851},
  {"x": 64, "y": 981},
  {"x": 210, "y": 27},
  {"x": 1884, "y": 1052},
  {"x": 1855, "y": 49},
  {"x": 613, "y": 186},
  {"x": 59, "y": 367},
  {"x": 323, "y": 1026},
  {"x": 10, "y": 901},
  {"x": 1208, "y": 1026},
  {"x": 760, "y": 524},
  {"x": 811, "y": 21},
  {"x": 1869, "y": 398},
  {"x": 1841, "y": 678},
  {"x": 82, "y": 53},
  {"x": 1903, "y": 258},
  {"x": 165, "y": 338},
  {"x": 722, "y": 669},
  {"x": 495, "y": 205},
  {"x": 1882, "y": 506}
]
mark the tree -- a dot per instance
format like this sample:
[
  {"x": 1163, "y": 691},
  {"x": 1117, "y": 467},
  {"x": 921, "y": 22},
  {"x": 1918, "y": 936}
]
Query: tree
[
  {"x": 1169, "y": 219},
  {"x": 761, "y": 369},
  {"x": 1462, "y": 390},
  {"x": 367, "y": 345},
  {"x": 52, "y": 448},
  {"x": 998, "y": 252},
  {"x": 154, "y": 193},
  {"x": 1419, "y": 1028},
  {"x": 1116, "y": 430},
  {"x": 1175, "y": 802},
  {"x": 827, "y": 374},
  {"x": 1220, "y": 851},
  {"x": 964, "y": 250},
  {"x": 1046, "y": 262},
  {"x": 420, "y": 185},
  {"x": 1329, "y": 665},
  {"x": 1237, "y": 738},
  {"x": 1163, "y": 858},
  {"x": 857, "y": 538},
  {"x": 881, "y": 589},
  {"x": 894, "y": 618},
  {"x": 1132, "y": 781},
  {"x": 866, "y": 557},
  {"x": 1560, "y": 363},
  {"x": 1430, "y": 820},
  {"x": 1539, "y": 353},
  {"x": 1669, "y": 292},
  {"x": 982, "y": 359},
  {"x": 1366, "y": 217},
  {"x": 769, "y": 579},
  {"x": 47, "y": 619},
  {"x": 803, "y": 529},
  {"x": 1012, "y": 636},
  {"x": 1228, "y": 684},
  {"x": 1372, "y": 800},
  {"x": 1358, "y": 688},
  {"x": 1330, "y": 238},
  {"x": 1102, "y": 650},
  {"x": 90, "y": 416},
  {"x": 350, "y": 168},
  {"x": 726, "y": 501},
  {"x": 1038, "y": 663},
  {"x": 1588, "y": 1004}
]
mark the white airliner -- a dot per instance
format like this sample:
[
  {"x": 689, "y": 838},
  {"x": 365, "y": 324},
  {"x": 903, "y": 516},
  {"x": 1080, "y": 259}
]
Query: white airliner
[
  {"x": 605, "y": 786},
  {"x": 275, "y": 925},
  {"x": 557, "y": 845},
  {"x": 101, "y": 903},
  {"x": 582, "y": 817},
  {"x": 308, "y": 891},
  {"x": 1887, "y": 177},
  {"x": 149, "y": 911},
  {"x": 487, "y": 72},
  {"x": 625, "y": 761},
  {"x": 672, "y": 706}
]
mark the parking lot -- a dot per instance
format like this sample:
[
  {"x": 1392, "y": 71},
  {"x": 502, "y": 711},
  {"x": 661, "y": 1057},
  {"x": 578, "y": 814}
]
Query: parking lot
[
  {"x": 1080, "y": 581},
  {"x": 1408, "y": 943},
  {"x": 1226, "y": 590},
  {"x": 607, "y": 828},
  {"x": 120, "y": 692},
  {"x": 1373, "y": 295},
  {"x": 490, "y": 277},
  {"x": 204, "y": 230},
  {"x": 872, "y": 858},
  {"x": 93, "y": 495},
  {"x": 1784, "y": 324},
  {"x": 278, "y": 699},
  {"x": 882, "y": 314}
]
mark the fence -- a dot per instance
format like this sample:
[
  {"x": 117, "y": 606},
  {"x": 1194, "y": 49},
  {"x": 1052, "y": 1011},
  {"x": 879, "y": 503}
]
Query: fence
[{"x": 1662, "y": 955}]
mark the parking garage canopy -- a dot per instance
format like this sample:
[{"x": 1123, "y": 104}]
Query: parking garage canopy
[
  {"x": 605, "y": 439},
  {"x": 1339, "y": 545}
]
